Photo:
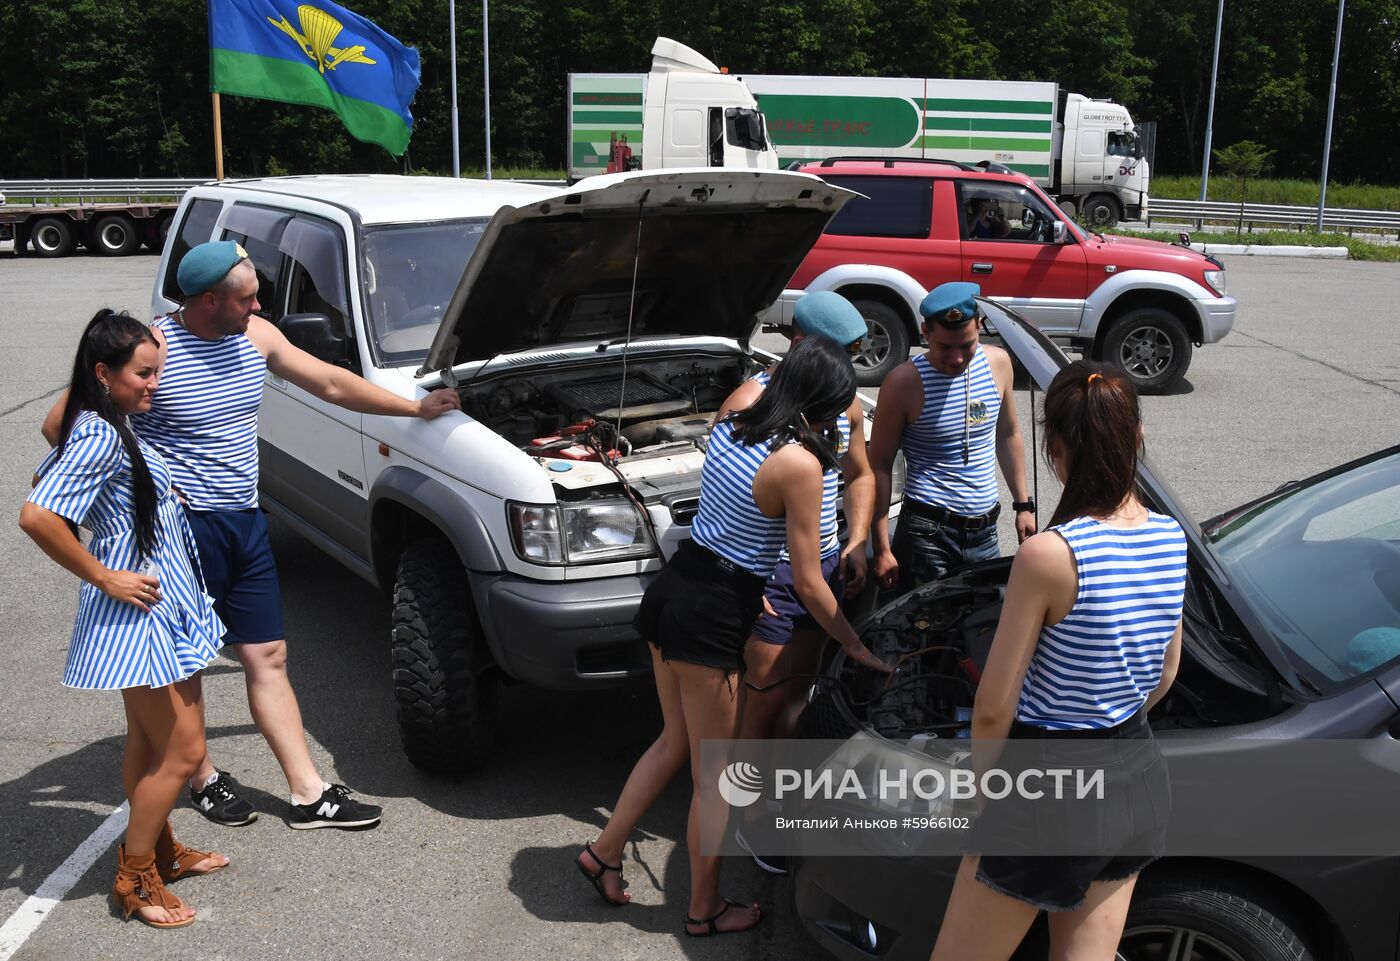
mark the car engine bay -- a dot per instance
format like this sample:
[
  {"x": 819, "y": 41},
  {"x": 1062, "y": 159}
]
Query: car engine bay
[
  {"x": 662, "y": 407},
  {"x": 939, "y": 638}
]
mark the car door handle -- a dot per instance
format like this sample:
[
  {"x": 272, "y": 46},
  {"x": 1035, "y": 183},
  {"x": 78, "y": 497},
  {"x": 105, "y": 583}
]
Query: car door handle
[{"x": 981, "y": 268}]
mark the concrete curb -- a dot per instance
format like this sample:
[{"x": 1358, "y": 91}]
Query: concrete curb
[{"x": 1280, "y": 250}]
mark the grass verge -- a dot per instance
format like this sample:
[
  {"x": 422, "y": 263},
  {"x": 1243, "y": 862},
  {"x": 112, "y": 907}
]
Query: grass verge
[
  {"x": 1356, "y": 249},
  {"x": 1301, "y": 193}
]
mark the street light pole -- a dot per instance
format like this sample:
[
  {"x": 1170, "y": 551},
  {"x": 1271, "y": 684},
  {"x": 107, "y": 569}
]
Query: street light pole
[
  {"x": 452, "y": 54},
  {"x": 486, "y": 81},
  {"x": 1210, "y": 111},
  {"x": 1331, "y": 102}
]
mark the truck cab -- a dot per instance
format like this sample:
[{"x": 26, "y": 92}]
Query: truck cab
[
  {"x": 1102, "y": 166},
  {"x": 696, "y": 115}
]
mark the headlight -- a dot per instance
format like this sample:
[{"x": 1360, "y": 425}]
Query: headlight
[
  {"x": 898, "y": 472},
  {"x": 1215, "y": 279},
  {"x": 587, "y": 532}
]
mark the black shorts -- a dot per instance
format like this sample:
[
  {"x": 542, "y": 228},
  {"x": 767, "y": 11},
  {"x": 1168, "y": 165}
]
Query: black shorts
[
  {"x": 1127, "y": 834},
  {"x": 701, "y": 609}
]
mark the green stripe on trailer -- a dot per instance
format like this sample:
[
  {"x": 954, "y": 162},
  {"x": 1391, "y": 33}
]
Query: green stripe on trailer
[
  {"x": 610, "y": 98},
  {"x": 994, "y": 124},
  {"x": 1031, "y": 170},
  {"x": 615, "y": 117},
  {"x": 990, "y": 106},
  {"x": 1032, "y": 145},
  {"x": 848, "y": 123}
]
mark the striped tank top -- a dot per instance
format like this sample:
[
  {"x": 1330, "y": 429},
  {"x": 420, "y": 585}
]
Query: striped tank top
[
  {"x": 957, "y": 411},
  {"x": 204, "y": 417},
  {"x": 831, "y": 540},
  {"x": 1098, "y": 665},
  {"x": 728, "y": 521}
]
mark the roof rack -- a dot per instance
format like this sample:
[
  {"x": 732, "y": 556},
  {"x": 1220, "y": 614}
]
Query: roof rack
[{"x": 891, "y": 161}]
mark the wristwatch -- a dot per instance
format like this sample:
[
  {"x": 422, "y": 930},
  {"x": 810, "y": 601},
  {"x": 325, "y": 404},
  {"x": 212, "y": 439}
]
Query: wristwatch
[{"x": 1019, "y": 506}]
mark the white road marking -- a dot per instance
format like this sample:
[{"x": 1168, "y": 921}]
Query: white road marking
[{"x": 36, "y": 908}]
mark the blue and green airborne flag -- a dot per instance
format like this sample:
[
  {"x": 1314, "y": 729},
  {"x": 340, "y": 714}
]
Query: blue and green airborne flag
[{"x": 319, "y": 54}]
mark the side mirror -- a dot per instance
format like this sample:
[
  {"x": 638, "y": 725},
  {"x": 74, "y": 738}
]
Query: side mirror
[
  {"x": 1061, "y": 232},
  {"x": 317, "y": 335}
]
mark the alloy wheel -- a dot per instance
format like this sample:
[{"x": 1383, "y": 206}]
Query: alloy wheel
[
  {"x": 1146, "y": 352},
  {"x": 1166, "y": 942}
]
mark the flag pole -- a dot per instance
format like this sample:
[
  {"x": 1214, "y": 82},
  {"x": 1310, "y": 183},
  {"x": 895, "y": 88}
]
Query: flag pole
[
  {"x": 486, "y": 82},
  {"x": 218, "y": 140},
  {"x": 452, "y": 56}
]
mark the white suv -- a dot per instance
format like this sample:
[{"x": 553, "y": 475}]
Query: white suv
[{"x": 613, "y": 316}]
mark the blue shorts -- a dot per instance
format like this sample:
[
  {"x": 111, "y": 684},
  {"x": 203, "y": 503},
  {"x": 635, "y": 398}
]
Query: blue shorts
[
  {"x": 791, "y": 614},
  {"x": 240, "y": 573}
]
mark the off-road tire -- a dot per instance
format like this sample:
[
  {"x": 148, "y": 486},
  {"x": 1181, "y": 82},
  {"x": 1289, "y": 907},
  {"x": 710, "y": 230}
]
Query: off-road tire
[
  {"x": 1225, "y": 918},
  {"x": 445, "y": 702},
  {"x": 52, "y": 237},
  {"x": 886, "y": 346},
  {"x": 1150, "y": 345},
  {"x": 114, "y": 236}
]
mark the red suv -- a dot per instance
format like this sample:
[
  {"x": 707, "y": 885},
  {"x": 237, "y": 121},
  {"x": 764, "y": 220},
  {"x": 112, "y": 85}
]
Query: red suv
[{"x": 1138, "y": 303}]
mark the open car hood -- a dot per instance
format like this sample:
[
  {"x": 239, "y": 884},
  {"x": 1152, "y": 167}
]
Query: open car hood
[
  {"x": 1042, "y": 360},
  {"x": 707, "y": 250}
]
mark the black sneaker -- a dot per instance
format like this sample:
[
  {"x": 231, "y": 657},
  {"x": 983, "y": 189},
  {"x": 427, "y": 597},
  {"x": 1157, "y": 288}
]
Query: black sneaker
[
  {"x": 772, "y": 863},
  {"x": 335, "y": 808},
  {"x": 220, "y": 803}
]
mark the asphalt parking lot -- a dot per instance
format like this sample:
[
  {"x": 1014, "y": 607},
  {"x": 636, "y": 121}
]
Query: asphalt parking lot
[{"x": 1309, "y": 378}]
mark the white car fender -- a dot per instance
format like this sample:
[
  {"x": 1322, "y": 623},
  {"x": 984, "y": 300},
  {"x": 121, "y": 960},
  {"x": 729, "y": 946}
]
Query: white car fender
[
  {"x": 909, "y": 290},
  {"x": 1097, "y": 305}
]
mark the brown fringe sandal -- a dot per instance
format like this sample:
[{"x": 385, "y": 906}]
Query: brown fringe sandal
[
  {"x": 176, "y": 861},
  {"x": 139, "y": 885}
]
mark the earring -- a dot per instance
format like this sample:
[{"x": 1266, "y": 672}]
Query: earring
[{"x": 106, "y": 390}]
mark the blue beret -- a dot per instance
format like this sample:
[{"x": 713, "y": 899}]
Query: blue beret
[
  {"x": 207, "y": 264},
  {"x": 1372, "y": 648},
  {"x": 951, "y": 304},
  {"x": 828, "y": 314}
]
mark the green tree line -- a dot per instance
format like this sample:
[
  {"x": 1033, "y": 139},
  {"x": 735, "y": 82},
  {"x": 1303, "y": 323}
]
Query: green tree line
[{"x": 119, "y": 88}]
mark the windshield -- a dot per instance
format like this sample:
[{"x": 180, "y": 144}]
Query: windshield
[
  {"x": 410, "y": 272},
  {"x": 1320, "y": 564}
]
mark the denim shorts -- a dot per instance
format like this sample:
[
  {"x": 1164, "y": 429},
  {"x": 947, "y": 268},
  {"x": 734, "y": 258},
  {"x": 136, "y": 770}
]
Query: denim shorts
[
  {"x": 700, "y": 609},
  {"x": 789, "y": 612},
  {"x": 1123, "y": 836}
]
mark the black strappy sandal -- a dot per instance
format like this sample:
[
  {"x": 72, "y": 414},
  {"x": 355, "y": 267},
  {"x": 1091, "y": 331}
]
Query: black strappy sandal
[
  {"x": 596, "y": 878},
  {"x": 711, "y": 929}
]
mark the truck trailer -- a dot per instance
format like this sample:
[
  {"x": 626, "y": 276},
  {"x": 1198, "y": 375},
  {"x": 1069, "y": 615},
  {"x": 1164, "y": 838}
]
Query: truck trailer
[{"x": 1083, "y": 152}]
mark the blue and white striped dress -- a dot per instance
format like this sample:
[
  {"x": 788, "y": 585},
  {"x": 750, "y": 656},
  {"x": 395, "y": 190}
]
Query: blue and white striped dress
[
  {"x": 1098, "y": 665},
  {"x": 955, "y": 408},
  {"x": 728, "y": 521},
  {"x": 204, "y": 417},
  {"x": 831, "y": 480},
  {"x": 115, "y": 644}
]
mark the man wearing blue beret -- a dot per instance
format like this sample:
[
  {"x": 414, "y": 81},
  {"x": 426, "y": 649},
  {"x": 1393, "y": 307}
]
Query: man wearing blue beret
[
  {"x": 952, "y": 412},
  {"x": 785, "y": 639},
  {"x": 215, "y": 352}
]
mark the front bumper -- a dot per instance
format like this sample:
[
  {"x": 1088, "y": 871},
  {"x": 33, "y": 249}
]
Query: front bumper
[
  {"x": 846, "y": 903},
  {"x": 1217, "y": 317},
  {"x": 572, "y": 635}
]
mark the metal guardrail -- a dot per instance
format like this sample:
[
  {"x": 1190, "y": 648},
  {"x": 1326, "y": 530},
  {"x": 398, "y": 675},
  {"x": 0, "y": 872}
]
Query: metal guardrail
[
  {"x": 81, "y": 192},
  {"x": 1337, "y": 218}
]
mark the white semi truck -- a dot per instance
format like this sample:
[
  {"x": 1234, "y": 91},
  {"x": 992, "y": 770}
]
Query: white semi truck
[
  {"x": 1082, "y": 152},
  {"x": 686, "y": 112}
]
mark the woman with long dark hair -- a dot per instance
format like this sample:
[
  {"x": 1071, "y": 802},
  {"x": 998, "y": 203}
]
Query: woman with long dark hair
[
  {"x": 1089, "y": 640},
  {"x": 144, "y": 624},
  {"x": 761, "y": 487}
]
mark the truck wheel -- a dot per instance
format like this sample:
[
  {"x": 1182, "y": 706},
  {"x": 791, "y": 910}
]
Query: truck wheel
[
  {"x": 1208, "y": 920},
  {"x": 1101, "y": 211},
  {"x": 115, "y": 236},
  {"x": 52, "y": 236},
  {"x": 886, "y": 345},
  {"x": 446, "y": 706},
  {"x": 1151, "y": 346},
  {"x": 162, "y": 229}
]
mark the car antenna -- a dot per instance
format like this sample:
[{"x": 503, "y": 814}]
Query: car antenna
[
  {"x": 631, "y": 307},
  {"x": 1035, "y": 460}
]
